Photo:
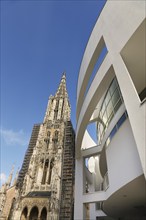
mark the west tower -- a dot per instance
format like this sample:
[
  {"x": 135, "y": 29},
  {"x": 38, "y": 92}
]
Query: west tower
[{"x": 46, "y": 179}]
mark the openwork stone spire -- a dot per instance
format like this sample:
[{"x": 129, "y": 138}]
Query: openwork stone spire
[
  {"x": 62, "y": 91},
  {"x": 58, "y": 106}
]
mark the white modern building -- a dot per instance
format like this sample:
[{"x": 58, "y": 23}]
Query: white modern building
[{"x": 110, "y": 176}]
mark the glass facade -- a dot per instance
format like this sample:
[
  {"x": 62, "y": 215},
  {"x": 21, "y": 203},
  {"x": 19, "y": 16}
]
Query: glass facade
[
  {"x": 115, "y": 128},
  {"x": 111, "y": 103}
]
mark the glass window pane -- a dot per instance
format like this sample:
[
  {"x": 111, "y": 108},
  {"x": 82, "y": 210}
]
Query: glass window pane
[
  {"x": 109, "y": 109},
  {"x": 117, "y": 105},
  {"x": 114, "y": 85},
  {"x": 120, "y": 94},
  {"x": 104, "y": 118},
  {"x": 115, "y": 97},
  {"x": 102, "y": 109},
  {"x": 108, "y": 97},
  {"x": 110, "y": 118},
  {"x": 111, "y": 103}
]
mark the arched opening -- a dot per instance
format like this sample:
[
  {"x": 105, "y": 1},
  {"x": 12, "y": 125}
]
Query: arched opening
[
  {"x": 47, "y": 139},
  {"x": 50, "y": 171},
  {"x": 43, "y": 214},
  {"x": 48, "y": 134},
  {"x": 55, "y": 139},
  {"x": 24, "y": 214},
  {"x": 34, "y": 213},
  {"x": 56, "y": 110},
  {"x": 12, "y": 208},
  {"x": 56, "y": 134},
  {"x": 45, "y": 171}
]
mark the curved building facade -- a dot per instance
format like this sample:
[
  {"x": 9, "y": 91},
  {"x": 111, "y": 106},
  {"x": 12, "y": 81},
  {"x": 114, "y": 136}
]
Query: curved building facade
[{"x": 111, "y": 95}]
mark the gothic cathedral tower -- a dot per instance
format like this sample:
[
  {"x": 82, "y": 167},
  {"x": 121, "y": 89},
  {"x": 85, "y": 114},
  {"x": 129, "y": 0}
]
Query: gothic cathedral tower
[{"x": 46, "y": 179}]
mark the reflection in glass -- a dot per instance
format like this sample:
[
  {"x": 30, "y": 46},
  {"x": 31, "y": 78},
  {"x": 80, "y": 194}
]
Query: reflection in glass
[
  {"x": 104, "y": 119},
  {"x": 103, "y": 109},
  {"x": 113, "y": 87},
  {"x": 115, "y": 97},
  {"x": 107, "y": 98},
  {"x": 109, "y": 109},
  {"x": 111, "y": 103}
]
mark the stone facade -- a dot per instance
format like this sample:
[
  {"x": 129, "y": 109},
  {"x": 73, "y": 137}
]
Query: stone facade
[
  {"x": 42, "y": 176},
  {"x": 7, "y": 197}
]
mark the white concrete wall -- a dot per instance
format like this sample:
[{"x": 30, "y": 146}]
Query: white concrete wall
[
  {"x": 123, "y": 161},
  {"x": 116, "y": 32},
  {"x": 126, "y": 153}
]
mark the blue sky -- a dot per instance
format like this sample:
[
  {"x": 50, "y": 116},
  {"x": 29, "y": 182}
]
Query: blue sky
[{"x": 39, "y": 41}]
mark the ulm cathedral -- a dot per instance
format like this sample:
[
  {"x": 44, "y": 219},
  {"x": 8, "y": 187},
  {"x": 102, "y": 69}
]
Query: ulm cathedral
[{"x": 43, "y": 189}]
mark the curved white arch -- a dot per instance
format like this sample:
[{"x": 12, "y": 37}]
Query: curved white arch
[{"x": 119, "y": 27}]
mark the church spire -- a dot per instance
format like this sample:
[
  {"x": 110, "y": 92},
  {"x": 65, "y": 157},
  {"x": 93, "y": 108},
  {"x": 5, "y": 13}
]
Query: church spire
[
  {"x": 58, "y": 106},
  {"x": 62, "y": 91}
]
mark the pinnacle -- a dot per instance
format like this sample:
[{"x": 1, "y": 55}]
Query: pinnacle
[
  {"x": 64, "y": 75},
  {"x": 10, "y": 176},
  {"x": 61, "y": 91}
]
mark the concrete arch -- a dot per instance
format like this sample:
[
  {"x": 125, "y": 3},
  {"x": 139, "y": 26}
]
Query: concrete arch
[
  {"x": 115, "y": 39},
  {"x": 123, "y": 34}
]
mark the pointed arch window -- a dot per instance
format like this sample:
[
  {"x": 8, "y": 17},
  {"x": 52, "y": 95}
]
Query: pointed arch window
[
  {"x": 43, "y": 214},
  {"x": 55, "y": 114},
  {"x": 56, "y": 134},
  {"x": 57, "y": 104},
  {"x": 55, "y": 140},
  {"x": 45, "y": 171},
  {"x": 50, "y": 171},
  {"x": 56, "y": 110},
  {"x": 62, "y": 109},
  {"x": 47, "y": 140},
  {"x": 48, "y": 134}
]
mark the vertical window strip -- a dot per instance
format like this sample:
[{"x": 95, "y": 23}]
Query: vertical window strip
[{"x": 112, "y": 102}]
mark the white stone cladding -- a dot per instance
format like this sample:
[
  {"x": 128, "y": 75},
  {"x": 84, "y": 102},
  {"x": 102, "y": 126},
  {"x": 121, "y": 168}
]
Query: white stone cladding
[{"x": 116, "y": 187}]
